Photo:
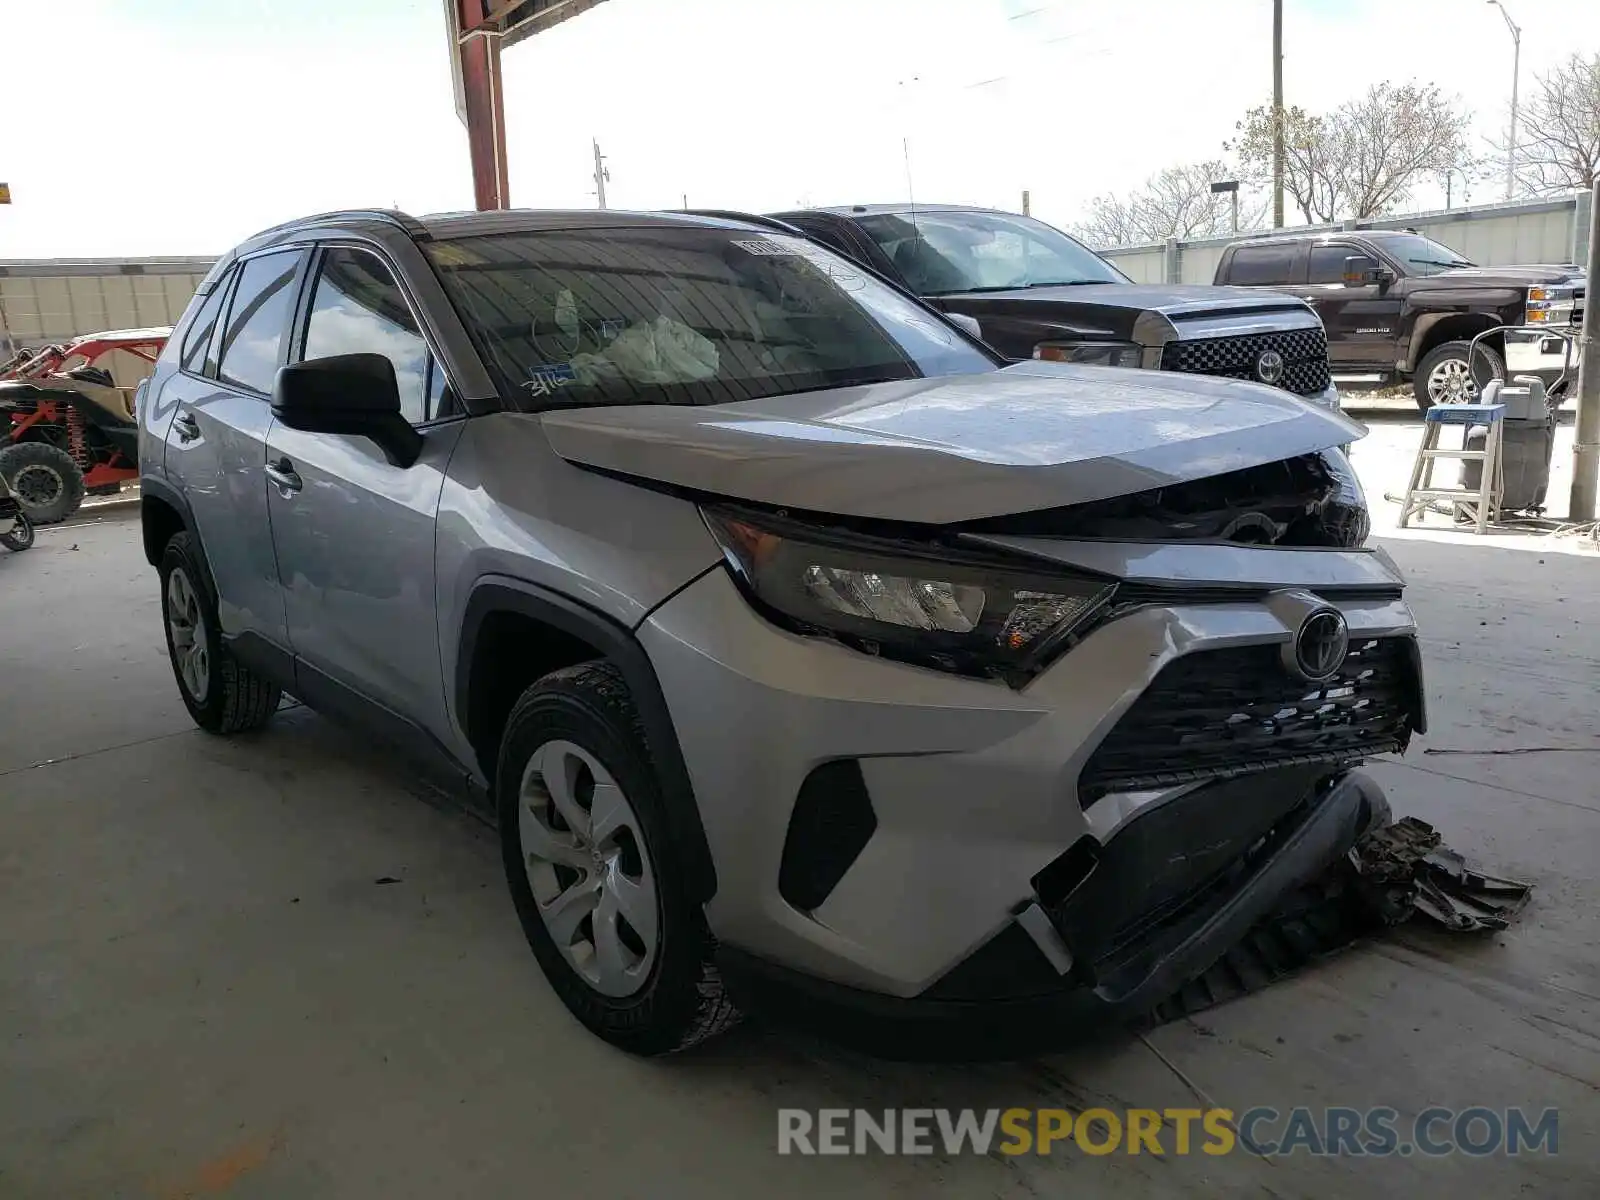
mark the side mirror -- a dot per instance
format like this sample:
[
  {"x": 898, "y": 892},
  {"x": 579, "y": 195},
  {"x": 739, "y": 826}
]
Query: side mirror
[
  {"x": 353, "y": 394},
  {"x": 966, "y": 322},
  {"x": 1361, "y": 271}
]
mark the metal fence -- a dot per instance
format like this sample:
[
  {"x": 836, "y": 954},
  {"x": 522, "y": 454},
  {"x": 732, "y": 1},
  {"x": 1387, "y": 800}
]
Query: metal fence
[{"x": 1540, "y": 231}]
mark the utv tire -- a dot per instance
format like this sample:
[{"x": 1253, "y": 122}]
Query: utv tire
[
  {"x": 221, "y": 694},
  {"x": 1442, "y": 376},
  {"x": 636, "y": 966},
  {"x": 46, "y": 481}
]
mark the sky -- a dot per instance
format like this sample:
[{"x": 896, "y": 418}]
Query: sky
[{"x": 158, "y": 127}]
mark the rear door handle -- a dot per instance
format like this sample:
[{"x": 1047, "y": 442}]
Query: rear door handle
[
  {"x": 188, "y": 428},
  {"x": 282, "y": 473}
]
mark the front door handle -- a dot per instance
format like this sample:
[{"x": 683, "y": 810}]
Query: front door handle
[
  {"x": 282, "y": 473},
  {"x": 188, "y": 428}
]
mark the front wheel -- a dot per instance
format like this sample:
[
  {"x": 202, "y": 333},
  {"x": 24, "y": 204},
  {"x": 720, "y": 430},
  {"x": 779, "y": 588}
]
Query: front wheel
[
  {"x": 594, "y": 868},
  {"x": 1444, "y": 377},
  {"x": 21, "y": 535}
]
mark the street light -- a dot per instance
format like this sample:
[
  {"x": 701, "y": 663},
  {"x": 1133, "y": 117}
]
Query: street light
[
  {"x": 1230, "y": 187},
  {"x": 1516, "y": 70}
]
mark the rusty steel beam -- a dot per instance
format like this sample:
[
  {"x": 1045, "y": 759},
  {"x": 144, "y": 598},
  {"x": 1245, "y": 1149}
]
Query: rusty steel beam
[{"x": 478, "y": 53}]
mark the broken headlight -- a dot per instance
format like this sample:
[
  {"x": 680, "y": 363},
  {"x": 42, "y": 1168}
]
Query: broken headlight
[
  {"x": 908, "y": 603},
  {"x": 1345, "y": 517}
]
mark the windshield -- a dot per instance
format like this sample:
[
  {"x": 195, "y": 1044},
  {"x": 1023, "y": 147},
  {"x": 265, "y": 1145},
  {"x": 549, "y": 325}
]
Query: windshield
[
  {"x": 942, "y": 251},
  {"x": 1420, "y": 255},
  {"x": 685, "y": 315}
]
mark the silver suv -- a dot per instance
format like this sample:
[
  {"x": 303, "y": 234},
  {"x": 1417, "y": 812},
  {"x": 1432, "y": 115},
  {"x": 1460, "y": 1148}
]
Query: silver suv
[{"x": 802, "y": 649}]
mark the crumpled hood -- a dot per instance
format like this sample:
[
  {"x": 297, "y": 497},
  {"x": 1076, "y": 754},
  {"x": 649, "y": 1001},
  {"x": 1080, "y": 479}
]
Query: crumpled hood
[{"x": 1032, "y": 436}]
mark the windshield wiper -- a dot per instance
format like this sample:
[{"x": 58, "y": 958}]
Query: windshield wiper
[{"x": 1434, "y": 262}]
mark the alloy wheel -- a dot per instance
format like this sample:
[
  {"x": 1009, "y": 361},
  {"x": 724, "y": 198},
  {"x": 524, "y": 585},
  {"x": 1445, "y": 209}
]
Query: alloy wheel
[
  {"x": 592, "y": 880},
  {"x": 1451, "y": 383},
  {"x": 186, "y": 625}
]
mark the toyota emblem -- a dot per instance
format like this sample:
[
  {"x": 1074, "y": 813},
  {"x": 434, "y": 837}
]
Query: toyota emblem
[
  {"x": 1321, "y": 645},
  {"x": 1269, "y": 366}
]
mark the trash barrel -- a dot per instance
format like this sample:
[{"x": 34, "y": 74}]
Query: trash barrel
[{"x": 1527, "y": 443}]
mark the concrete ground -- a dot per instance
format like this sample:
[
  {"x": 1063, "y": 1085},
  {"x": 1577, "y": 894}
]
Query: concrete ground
[{"x": 206, "y": 991}]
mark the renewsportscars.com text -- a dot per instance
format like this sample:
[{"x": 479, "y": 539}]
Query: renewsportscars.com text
[{"x": 1335, "y": 1131}]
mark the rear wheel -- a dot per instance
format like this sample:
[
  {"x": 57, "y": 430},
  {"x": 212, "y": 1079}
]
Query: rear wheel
[
  {"x": 221, "y": 695},
  {"x": 46, "y": 481},
  {"x": 1443, "y": 376}
]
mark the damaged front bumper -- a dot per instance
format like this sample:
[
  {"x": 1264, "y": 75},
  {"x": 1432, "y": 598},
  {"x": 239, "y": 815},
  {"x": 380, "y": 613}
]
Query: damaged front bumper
[
  {"x": 1003, "y": 995},
  {"x": 938, "y": 812}
]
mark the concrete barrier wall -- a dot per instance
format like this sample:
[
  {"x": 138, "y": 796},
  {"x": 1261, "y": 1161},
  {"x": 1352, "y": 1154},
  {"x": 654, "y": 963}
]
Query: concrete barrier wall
[
  {"x": 1540, "y": 231},
  {"x": 54, "y": 300}
]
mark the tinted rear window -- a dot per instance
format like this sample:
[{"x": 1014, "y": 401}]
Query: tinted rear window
[{"x": 1262, "y": 265}]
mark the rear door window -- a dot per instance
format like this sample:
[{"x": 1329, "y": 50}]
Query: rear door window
[
  {"x": 1263, "y": 266},
  {"x": 258, "y": 319}
]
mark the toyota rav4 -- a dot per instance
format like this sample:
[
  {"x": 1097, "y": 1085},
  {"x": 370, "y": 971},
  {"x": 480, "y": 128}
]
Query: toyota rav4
[{"x": 800, "y": 645}]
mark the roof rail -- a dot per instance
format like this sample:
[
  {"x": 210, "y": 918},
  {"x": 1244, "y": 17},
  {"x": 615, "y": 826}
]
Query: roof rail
[
  {"x": 728, "y": 214},
  {"x": 390, "y": 216}
]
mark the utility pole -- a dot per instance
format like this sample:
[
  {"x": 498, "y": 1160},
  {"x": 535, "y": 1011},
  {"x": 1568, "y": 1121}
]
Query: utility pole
[
  {"x": 600, "y": 173},
  {"x": 1586, "y": 437},
  {"x": 1277, "y": 114},
  {"x": 1516, "y": 72},
  {"x": 1027, "y": 208}
]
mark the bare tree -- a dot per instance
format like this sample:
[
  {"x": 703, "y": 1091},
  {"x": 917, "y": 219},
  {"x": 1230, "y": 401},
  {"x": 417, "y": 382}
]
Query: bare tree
[
  {"x": 1362, "y": 159},
  {"x": 1558, "y": 130},
  {"x": 1174, "y": 203}
]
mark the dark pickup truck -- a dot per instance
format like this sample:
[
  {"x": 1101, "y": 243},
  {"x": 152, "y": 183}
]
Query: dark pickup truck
[
  {"x": 1030, "y": 291},
  {"x": 1399, "y": 307}
]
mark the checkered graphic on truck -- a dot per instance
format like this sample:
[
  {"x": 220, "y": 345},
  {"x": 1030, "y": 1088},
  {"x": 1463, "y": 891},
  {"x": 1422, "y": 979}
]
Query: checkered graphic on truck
[{"x": 1304, "y": 351}]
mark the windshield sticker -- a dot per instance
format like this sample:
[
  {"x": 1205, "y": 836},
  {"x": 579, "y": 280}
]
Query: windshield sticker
[
  {"x": 551, "y": 378},
  {"x": 755, "y": 246}
]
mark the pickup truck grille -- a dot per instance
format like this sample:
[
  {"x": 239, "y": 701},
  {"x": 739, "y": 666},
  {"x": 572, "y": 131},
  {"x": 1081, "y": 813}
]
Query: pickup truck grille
[
  {"x": 1221, "y": 713},
  {"x": 1304, "y": 351}
]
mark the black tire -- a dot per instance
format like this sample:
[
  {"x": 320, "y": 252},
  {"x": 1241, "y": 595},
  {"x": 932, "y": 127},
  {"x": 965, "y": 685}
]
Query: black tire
[
  {"x": 1486, "y": 365},
  {"x": 235, "y": 698},
  {"x": 681, "y": 1001},
  {"x": 45, "y": 480},
  {"x": 21, "y": 535}
]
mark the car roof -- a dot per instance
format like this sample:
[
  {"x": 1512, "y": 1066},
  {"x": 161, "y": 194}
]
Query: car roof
[
  {"x": 446, "y": 226},
  {"x": 443, "y": 226},
  {"x": 1323, "y": 235}
]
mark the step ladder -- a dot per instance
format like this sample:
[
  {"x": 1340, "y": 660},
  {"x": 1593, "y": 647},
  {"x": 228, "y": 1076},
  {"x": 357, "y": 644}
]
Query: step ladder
[{"x": 1480, "y": 504}]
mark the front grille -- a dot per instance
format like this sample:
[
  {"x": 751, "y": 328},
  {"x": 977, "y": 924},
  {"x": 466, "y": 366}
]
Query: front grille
[
  {"x": 1304, "y": 351},
  {"x": 1221, "y": 713}
]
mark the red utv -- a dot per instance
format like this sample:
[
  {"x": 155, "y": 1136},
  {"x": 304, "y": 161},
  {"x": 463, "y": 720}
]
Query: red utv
[{"x": 66, "y": 428}]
